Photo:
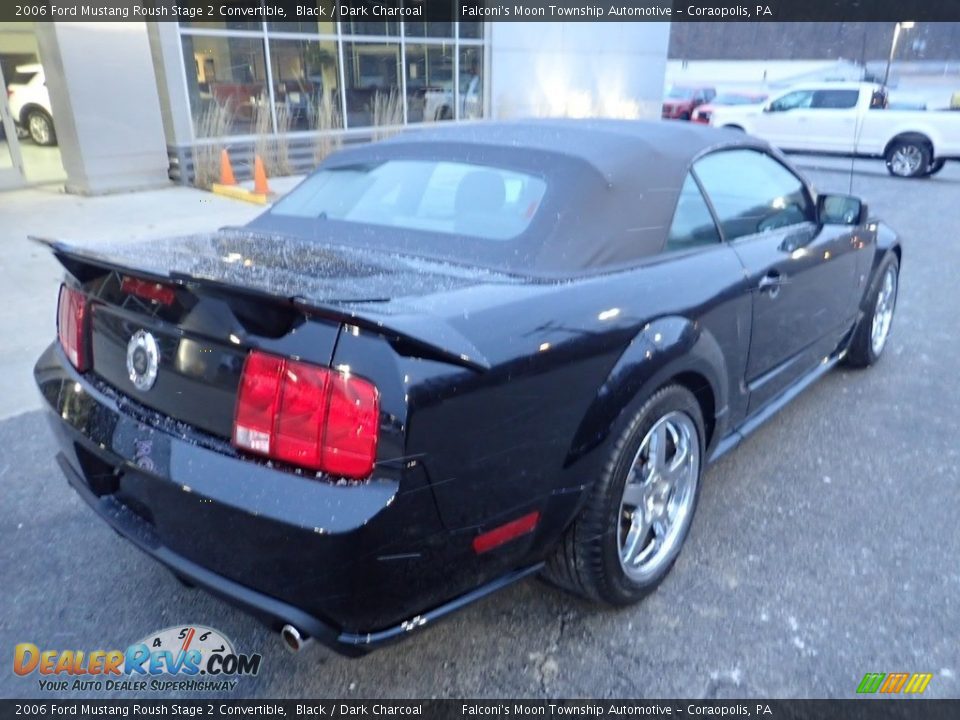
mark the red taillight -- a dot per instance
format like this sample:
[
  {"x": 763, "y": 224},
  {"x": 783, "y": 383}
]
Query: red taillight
[
  {"x": 307, "y": 415},
  {"x": 72, "y": 327},
  {"x": 257, "y": 403},
  {"x": 146, "y": 290},
  {"x": 350, "y": 433}
]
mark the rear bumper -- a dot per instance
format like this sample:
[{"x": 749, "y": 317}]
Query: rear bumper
[
  {"x": 131, "y": 527},
  {"x": 273, "y": 612},
  {"x": 353, "y": 566}
]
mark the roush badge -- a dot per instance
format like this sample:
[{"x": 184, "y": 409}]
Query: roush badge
[{"x": 143, "y": 360}]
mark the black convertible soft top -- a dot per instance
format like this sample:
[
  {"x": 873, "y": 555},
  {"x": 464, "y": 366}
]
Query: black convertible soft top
[{"x": 612, "y": 187}]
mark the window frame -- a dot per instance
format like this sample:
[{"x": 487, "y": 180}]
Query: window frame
[
  {"x": 808, "y": 192},
  {"x": 666, "y": 250}
]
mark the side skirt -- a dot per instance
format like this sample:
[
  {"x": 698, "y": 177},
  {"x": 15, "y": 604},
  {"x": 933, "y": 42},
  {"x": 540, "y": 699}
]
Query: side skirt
[
  {"x": 369, "y": 640},
  {"x": 771, "y": 408}
]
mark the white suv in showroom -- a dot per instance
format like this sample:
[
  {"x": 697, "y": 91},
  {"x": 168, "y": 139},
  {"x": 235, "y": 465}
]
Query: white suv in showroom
[{"x": 30, "y": 104}]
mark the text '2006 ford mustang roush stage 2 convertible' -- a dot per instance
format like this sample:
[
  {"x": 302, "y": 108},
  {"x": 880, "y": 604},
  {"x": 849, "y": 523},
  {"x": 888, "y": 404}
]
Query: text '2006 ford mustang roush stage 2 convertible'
[{"x": 452, "y": 359}]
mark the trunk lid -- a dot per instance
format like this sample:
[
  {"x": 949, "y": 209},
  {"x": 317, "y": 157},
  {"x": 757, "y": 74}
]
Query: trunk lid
[{"x": 235, "y": 290}]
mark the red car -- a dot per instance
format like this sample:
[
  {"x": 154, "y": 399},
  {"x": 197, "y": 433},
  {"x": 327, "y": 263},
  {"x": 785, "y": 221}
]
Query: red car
[
  {"x": 680, "y": 102},
  {"x": 703, "y": 113}
]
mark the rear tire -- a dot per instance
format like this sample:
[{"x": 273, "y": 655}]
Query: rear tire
[
  {"x": 908, "y": 158},
  {"x": 870, "y": 337},
  {"x": 936, "y": 166},
  {"x": 639, "y": 512}
]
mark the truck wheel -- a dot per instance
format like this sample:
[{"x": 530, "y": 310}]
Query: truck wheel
[
  {"x": 936, "y": 166},
  {"x": 40, "y": 127},
  {"x": 908, "y": 158}
]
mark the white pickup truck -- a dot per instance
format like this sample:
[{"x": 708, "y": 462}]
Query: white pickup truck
[{"x": 851, "y": 119}]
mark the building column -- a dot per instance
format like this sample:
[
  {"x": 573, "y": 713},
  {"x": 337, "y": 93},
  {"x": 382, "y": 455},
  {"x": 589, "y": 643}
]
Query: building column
[
  {"x": 578, "y": 69},
  {"x": 106, "y": 109}
]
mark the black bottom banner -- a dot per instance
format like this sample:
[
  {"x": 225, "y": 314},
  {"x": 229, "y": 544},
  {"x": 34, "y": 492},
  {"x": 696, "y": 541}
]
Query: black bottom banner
[{"x": 692, "y": 709}]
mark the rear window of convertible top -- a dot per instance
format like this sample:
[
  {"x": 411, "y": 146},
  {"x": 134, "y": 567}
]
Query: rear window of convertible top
[{"x": 455, "y": 198}]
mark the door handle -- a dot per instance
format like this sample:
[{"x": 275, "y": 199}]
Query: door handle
[{"x": 770, "y": 283}]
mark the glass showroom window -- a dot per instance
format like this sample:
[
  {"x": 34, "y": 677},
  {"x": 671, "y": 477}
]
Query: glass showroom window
[
  {"x": 471, "y": 30},
  {"x": 306, "y": 84},
  {"x": 370, "y": 28},
  {"x": 221, "y": 25},
  {"x": 428, "y": 29},
  {"x": 471, "y": 82},
  {"x": 322, "y": 74},
  {"x": 323, "y": 24},
  {"x": 430, "y": 89},
  {"x": 372, "y": 77},
  {"x": 227, "y": 83}
]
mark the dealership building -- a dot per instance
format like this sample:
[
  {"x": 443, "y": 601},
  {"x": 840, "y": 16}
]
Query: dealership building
[{"x": 141, "y": 104}]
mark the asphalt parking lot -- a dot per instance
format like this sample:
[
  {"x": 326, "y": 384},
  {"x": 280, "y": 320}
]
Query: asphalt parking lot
[{"x": 824, "y": 547}]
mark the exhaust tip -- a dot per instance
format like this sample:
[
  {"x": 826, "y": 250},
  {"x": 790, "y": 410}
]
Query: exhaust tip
[{"x": 293, "y": 638}]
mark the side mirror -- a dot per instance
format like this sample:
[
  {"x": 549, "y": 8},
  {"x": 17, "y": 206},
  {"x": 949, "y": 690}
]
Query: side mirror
[
  {"x": 841, "y": 210},
  {"x": 769, "y": 108}
]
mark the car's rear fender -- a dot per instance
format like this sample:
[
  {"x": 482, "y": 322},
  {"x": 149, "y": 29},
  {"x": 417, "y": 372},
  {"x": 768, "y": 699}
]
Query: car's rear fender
[{"x": 671, "y": 348}]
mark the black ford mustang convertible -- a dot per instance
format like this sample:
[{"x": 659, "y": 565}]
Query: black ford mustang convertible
[{"x": 452, "y": 359}]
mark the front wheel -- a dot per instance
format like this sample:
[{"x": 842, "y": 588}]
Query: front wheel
[
  {"x": 639, "y": 512},
  {"x": 908, "y": 158},
  {"x": 870, "y": 337}
]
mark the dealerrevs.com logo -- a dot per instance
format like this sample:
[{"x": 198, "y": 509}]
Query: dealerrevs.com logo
[{"x": 181, "y": 658}]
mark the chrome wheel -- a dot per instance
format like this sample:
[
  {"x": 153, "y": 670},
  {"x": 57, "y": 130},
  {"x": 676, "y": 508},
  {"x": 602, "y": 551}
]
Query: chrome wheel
[
  {"x": 906, "y": 161},
  {"x": 39, "y": 128},
  {"x": 883, "y": 311},
  {"x": 658, "y": 496}
]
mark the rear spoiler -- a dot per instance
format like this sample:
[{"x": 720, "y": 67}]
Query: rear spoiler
[{"x": 430, "y": 336}]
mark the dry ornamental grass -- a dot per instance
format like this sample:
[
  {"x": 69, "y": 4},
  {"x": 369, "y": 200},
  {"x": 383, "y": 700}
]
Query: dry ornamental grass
[
  {"x": 387, "y": 113},
  {"x": 215, "y": 121}
]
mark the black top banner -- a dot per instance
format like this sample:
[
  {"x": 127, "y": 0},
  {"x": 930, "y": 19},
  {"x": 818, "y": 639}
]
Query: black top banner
[
  {"x": 476, "y": 709},
  {"x": 482, "y": 10}
]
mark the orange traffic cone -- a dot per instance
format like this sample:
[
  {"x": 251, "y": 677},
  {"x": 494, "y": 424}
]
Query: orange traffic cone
[
  {"x": 226, "y": 171},
  {"x": 260, "y": 186}
]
